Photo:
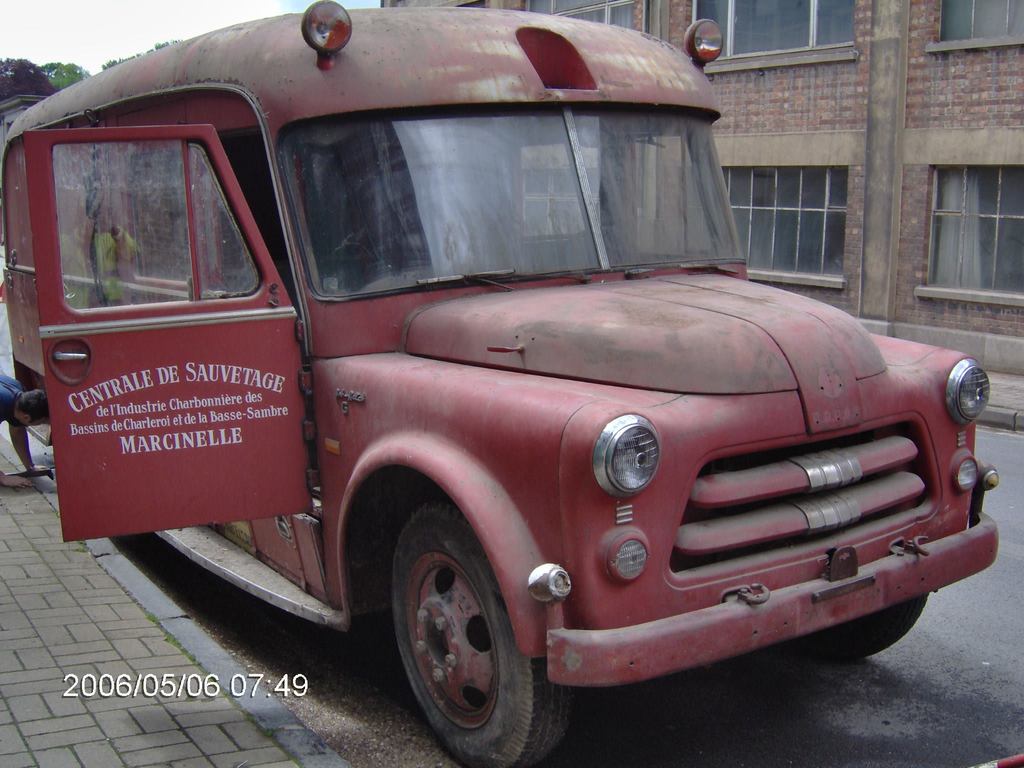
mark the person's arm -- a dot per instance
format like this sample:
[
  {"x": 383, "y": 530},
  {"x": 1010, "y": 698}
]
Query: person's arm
[{"x": 19, "y": 438}]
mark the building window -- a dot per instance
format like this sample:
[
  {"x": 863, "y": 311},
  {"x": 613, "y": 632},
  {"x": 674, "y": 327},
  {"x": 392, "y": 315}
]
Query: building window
[
  {"x": 978, "y": 229},
  {"x": 968, "y": 19},
  {"x": 759, "y": 26},
  {"x": 790, "y": 219},
  {"x": 619, "y": 14}
]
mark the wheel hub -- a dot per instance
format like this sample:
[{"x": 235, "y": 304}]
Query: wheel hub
[{"x": 451, "y": 640}]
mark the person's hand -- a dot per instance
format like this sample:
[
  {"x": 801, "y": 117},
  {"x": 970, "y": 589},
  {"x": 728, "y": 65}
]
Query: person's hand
[{"x": 13, "y": 481}]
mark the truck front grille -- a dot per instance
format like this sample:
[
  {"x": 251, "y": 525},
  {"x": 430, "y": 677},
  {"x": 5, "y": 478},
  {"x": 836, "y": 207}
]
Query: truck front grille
[{"x": 753, "y": 502}]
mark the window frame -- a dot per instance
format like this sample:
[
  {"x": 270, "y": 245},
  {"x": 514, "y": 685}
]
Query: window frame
[
  {"x": 962, "y": 216},
  {"x": 801, "y": 275},
  {"x": 1005, "y": 37},
  {"x": 729, "y": 34},
  {"x": 590, "y": 7}
]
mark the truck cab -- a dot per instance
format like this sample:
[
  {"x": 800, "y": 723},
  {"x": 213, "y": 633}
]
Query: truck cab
[{"x": 442, "y": 312}]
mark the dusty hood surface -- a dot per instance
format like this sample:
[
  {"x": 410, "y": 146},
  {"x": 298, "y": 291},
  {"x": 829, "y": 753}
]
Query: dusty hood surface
[{"x": 697, "y": 334}]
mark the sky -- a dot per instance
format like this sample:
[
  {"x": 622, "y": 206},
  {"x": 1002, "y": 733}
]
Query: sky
[{"x": 92, "y": 32}]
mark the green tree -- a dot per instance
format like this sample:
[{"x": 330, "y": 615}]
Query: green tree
[{"x": 62, "y": 75}]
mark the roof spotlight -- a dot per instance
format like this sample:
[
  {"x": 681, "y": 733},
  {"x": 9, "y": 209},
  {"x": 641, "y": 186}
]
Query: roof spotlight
[
  {"x": 326, "y": 28},
  {"x": 703, "y": 42}
]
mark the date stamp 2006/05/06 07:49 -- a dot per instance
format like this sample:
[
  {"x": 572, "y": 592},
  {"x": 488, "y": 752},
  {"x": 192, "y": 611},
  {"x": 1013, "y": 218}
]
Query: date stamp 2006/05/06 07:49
[{"x": 193, "y": 685}]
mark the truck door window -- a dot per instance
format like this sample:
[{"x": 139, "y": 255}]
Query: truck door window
[
  {"x": 121, "y": 214},
  {"x": 123, "y": 220},
  {"x": 225, "y": 264}
]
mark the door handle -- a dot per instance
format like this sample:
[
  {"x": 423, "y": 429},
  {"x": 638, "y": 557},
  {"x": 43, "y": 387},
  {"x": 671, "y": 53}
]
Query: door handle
[{"x": 60, "y": 355}]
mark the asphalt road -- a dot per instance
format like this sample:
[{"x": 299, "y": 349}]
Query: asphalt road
[{"x": 950, "y": 694}]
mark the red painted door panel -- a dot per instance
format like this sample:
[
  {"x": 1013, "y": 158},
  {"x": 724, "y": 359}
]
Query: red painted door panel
[{"x": 170, "y": 355}]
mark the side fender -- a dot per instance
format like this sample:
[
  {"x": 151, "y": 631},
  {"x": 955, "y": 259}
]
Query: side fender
[{"x": 510, "y": 546}]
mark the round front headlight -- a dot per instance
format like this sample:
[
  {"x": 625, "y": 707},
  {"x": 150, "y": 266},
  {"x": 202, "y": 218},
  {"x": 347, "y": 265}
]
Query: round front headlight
[
  {"x": 626, "y": 455},
  {"x": 967, "y": 391}
]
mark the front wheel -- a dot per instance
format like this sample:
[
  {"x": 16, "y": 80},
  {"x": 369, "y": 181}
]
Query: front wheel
[
  {"x": 490, "y": 705},
  {"x": 867, "y": 635}
]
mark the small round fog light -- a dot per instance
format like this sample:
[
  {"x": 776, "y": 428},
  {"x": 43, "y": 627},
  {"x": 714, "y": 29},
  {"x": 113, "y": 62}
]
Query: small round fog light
[
  {"x": 967, "y": 475},
  {"x": 629, "y": 559}
]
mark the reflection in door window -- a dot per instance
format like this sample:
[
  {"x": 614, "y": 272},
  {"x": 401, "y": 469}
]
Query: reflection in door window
[
  {"x": 225, "y": 266},
  {"x": 121, "y": 214}
]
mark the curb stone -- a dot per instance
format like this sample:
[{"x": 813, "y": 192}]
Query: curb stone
[{"x": 1002, "y": 418}]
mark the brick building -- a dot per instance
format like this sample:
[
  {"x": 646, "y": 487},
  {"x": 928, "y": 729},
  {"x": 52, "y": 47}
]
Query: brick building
[{"x": 874, "y": 153}]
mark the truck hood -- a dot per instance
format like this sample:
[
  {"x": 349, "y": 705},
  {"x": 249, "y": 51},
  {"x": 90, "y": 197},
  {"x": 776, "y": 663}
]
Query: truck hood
[{"x": 691, "y": 334}]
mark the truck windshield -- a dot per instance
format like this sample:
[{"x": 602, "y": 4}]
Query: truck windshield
[{"x": 388, "y": 203}]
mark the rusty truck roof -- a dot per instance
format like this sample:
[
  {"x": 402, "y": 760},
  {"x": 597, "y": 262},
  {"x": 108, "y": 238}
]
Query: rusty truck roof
[{"x": 398, "y": 58}]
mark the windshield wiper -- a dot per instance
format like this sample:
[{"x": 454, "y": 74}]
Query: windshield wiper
[{"x": 485, "y": 278}]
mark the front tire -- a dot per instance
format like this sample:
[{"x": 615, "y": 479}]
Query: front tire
[
  {"x": 490, "y": 705},
  {"x": 867, "y": 635}
]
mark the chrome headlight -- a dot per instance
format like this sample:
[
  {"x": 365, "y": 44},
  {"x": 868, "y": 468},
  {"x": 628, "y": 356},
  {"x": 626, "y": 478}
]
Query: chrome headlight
[
  {"x": 967, "y": 391},
  {"x": 626, "y": 455}
]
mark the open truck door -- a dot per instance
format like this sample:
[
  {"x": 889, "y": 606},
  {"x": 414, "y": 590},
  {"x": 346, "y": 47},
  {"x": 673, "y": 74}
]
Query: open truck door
[{"x": 168, "y": 347}]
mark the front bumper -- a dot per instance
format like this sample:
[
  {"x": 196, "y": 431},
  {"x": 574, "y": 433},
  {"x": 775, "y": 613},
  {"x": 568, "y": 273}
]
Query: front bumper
[{"x": 595, "y": 657}]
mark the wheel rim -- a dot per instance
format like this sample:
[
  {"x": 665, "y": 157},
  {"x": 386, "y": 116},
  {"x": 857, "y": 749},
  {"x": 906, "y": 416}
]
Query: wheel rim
[{"x": 451, "y": 640}]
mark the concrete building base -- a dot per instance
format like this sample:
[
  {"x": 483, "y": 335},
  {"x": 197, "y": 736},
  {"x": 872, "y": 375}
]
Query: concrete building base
[{"x": 997, "y": 353}]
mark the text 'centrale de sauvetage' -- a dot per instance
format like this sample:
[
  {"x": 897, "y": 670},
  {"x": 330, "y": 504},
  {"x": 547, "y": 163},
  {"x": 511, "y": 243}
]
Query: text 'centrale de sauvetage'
[{"x": 183, "y": 421}]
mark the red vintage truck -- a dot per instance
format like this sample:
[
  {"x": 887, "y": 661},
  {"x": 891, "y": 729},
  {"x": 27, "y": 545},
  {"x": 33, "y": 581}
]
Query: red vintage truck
[{"x": 450, "y": 320}]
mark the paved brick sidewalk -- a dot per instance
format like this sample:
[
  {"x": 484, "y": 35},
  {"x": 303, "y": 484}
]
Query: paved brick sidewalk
[{"x": 61, "y": 614}]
